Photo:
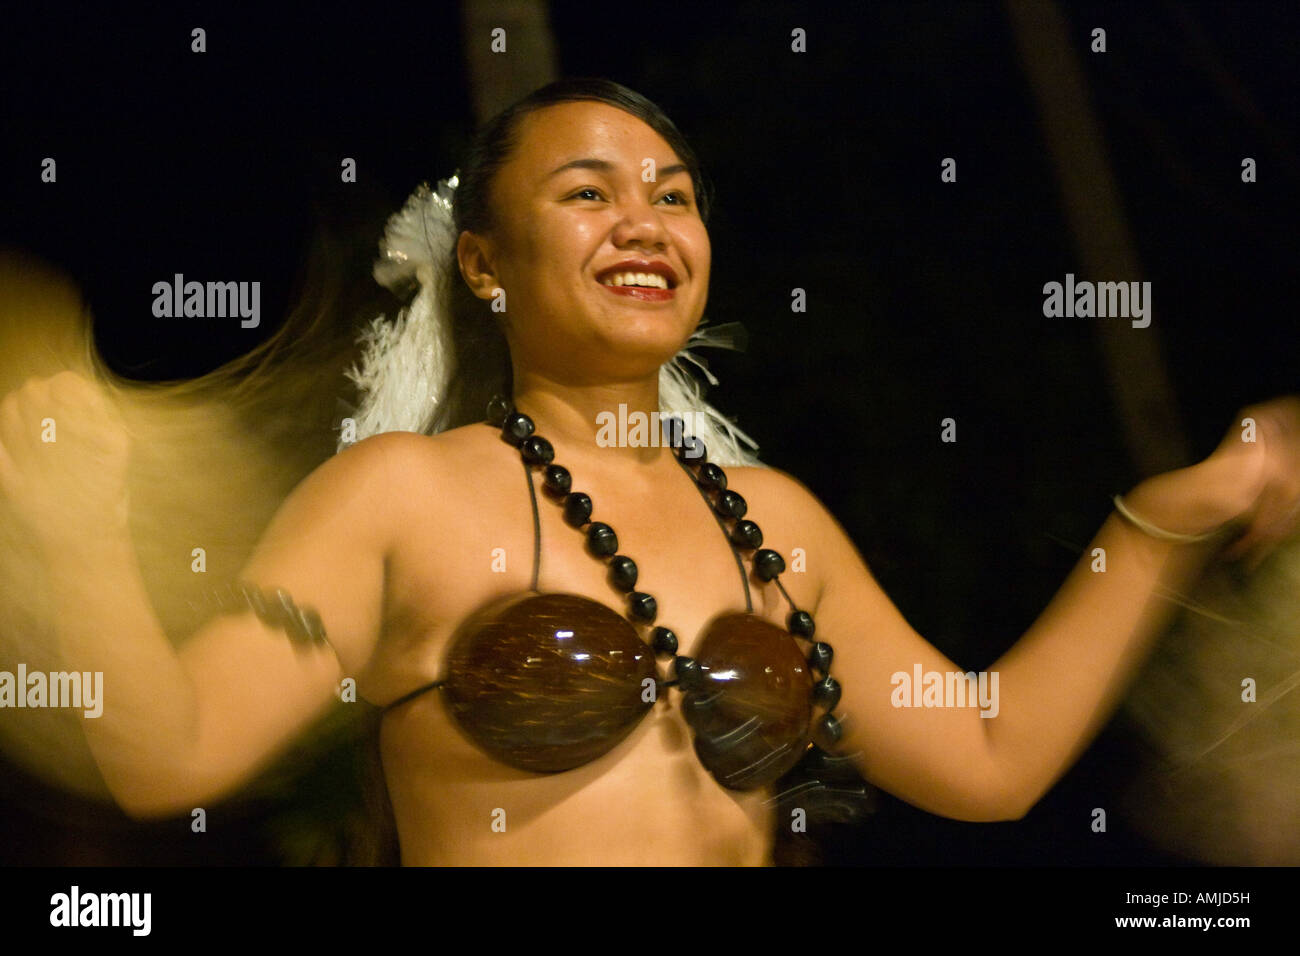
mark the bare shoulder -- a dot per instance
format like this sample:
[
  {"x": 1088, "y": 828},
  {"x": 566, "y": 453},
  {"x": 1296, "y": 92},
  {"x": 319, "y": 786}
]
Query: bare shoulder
[
  {"x": 437, "y": 487},
  {"x": 363, "y": 494},
  {"x": 406, "y": 461},
  {"x": 399, "y": 448},
  {"x": 829, "y": 550},
  {"x": 777, "y": 489}
]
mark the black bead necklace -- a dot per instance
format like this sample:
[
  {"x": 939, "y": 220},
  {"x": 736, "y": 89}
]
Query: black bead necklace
[{"x": 729, "y": 509}]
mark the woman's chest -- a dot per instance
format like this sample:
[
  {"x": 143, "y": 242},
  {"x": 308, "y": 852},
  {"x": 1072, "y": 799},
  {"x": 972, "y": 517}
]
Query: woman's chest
[
  {"x": 494, "y": 546},
  {"x": 456, "y": 560}
]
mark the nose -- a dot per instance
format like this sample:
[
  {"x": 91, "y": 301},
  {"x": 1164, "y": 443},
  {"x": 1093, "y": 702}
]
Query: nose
[{"x": 639, "y": 225}]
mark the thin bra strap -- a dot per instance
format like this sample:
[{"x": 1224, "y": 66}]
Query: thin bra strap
[
  {"x": 537, "y": 566},
  {"x": 740, "y": 563},
  {"x": 415, "y": 693},
  {"x": 537, "y": 526}
]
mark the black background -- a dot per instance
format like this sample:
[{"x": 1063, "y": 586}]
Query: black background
[{"x": 924, "y": 298}]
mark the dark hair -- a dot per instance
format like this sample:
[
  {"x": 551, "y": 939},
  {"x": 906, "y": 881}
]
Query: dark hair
[
  {"x": 494, "y": 143},
  {"x": 482, "y": 357}
]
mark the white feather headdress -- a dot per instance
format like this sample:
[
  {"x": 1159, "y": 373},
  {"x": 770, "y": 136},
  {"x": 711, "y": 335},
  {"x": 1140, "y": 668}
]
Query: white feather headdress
[{"x": 406, "y": 364}]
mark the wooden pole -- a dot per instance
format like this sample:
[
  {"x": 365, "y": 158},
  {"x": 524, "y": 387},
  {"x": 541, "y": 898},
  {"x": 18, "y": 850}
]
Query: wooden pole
[{"x": 1138, "y": 379}]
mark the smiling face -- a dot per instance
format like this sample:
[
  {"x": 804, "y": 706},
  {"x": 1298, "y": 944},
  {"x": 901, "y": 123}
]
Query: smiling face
[{"x": 573, "y": 216}]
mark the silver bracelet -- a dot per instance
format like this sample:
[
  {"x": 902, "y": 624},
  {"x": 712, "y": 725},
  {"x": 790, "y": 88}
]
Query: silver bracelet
[
  {"x": 275, "y": 608},
  {"x": 1148, "y": 528}
]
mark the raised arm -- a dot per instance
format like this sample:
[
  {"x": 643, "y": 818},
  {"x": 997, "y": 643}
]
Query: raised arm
[
  {"x": 1057, "y": 686},
  {"x": 181, "y": 729}
]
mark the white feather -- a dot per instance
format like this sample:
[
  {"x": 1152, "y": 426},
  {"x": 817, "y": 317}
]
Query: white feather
[{"x": 680, "y": 393}]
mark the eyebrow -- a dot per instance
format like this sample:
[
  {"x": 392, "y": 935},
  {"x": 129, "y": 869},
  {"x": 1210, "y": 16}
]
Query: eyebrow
[{"x": 603, "y": 166}]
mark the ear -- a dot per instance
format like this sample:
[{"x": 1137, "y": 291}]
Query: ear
[{"x": 476, "y": 255}]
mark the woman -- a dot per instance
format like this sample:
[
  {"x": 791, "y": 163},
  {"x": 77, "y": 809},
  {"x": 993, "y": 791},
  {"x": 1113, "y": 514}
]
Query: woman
[{"x": 400, "y": 539}]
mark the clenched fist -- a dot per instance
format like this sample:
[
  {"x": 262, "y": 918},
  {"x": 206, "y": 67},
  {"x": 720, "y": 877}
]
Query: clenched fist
[{"x": 63, "y": 457}]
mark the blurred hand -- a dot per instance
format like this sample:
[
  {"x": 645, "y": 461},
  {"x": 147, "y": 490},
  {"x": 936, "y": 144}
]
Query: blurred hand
[
  {"x": 1269, "y": 475},
  {"x": 63, "y": 456}
]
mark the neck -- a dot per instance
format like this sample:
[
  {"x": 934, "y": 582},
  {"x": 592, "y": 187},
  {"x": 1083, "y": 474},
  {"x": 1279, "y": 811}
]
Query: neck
[{"x": 595, "y": 420}]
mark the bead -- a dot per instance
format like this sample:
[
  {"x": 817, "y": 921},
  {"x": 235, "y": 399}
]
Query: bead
[
  {"x": 601, "y": 539},
  {"x": 829, "y": 731},
  {"x": 745, "y": 534},
  {"x": 256, "y": 600},
  {"x": 826, "y": 692},
  {"x": 730, "y": 505},
  {"x": 689, "y": 674},
  {"x": 801, "y": 623},
  {"x": 497, "y": 410},
  {"x": 663, "y": 641},
  {"x": 274, "y": 608},
  {"x": 296, "y": 627},
  {"x": 557, "y": 480},
  {"x": 280, "y": 610},
  {"x": 768, "y": 564},
  {"x": 643, "y": 606},
  {"x": 590, "y": 660},
  {"x": 819, "y": 657},
  {"x": 622, "y": 572},
  {"x": 712, "y": 477},
  {"x": 692, "y": 450},
  {"x": 758, "y": 725},
  {"x": 577, "y": 508},
  {"x": 537, "y": 450},
  {"x": 517, "y": 427},
  {"x": 313, "y": 626}
]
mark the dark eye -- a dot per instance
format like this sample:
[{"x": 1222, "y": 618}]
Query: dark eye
[
  {"x": 680, "y": 198},
  {"x": 587, "y": 192}
]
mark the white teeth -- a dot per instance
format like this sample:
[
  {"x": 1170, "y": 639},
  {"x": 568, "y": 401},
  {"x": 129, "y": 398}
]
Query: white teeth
[{"x": 646, "y": 279}]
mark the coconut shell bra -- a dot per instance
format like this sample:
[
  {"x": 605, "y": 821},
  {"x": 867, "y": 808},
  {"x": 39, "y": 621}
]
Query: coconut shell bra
[{"x": 549, "y": 682}]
